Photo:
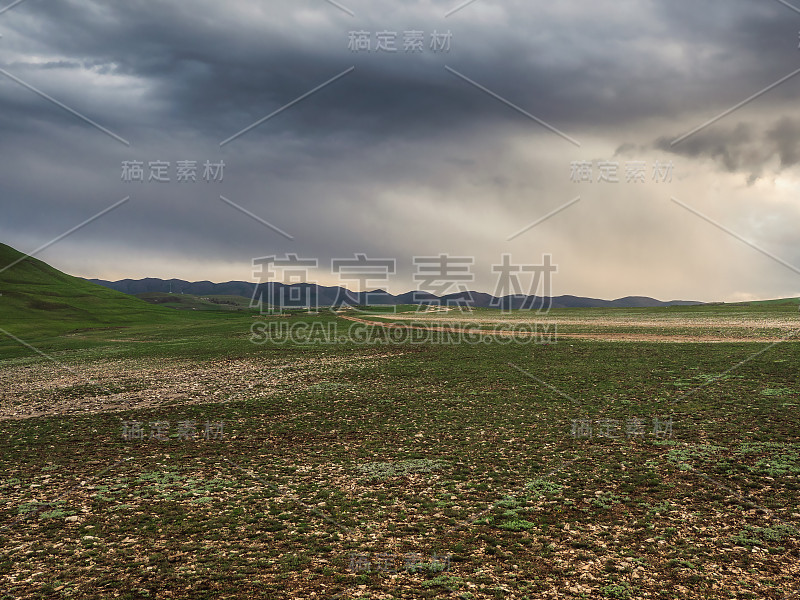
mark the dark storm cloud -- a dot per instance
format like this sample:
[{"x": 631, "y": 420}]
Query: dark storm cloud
[
  {"x": 175, "y": 79},
  {"x": 744, "y": 148},
  {"x": 735, "y": 148},
  {"x": 217, "y": 68},
  {"x": 786, "y": 139},
  {"x": 207, "y": 66}
]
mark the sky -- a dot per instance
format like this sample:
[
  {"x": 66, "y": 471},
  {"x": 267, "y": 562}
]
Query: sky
[{"x": 495, "y": 127}]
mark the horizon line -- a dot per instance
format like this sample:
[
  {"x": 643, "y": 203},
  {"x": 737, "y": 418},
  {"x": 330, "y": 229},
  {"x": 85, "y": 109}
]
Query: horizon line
[{"x": 380, "y": 290}]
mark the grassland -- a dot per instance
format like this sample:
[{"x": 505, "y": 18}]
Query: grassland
[
  {"x": 191, "y": 302},
  {"x": 339, "y": 455},
  {"x": 37, "y": 300}
]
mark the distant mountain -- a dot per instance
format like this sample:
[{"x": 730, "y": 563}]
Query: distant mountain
[
  {"x": 304, "y": 294},
  {"x": 178, "y": 286}
]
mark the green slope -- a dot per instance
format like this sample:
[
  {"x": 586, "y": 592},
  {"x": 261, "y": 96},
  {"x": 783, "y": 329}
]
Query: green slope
[
  {"x": 193, "y": 302},
  {"x": 778, "y": 301},
  {"x": 38, "y": 300}
]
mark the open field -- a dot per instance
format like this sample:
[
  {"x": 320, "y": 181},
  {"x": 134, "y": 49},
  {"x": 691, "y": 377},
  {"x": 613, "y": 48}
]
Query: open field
[
  {"x": 379, "y": 470},
  {"x": 735, "y": 323}
]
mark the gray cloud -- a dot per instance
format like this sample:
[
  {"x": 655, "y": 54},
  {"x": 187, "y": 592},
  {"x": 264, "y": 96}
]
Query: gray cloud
[
  {"x": 744, "y": 148},
  {"x": 399, "y": 155}
]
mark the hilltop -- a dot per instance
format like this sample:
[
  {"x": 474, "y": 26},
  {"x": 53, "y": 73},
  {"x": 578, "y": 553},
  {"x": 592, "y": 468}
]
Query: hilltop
[{"x": 332, "y": 295}]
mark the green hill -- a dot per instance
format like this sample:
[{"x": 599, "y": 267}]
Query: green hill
[
  {"x": 38, "y": 300},
  {"x": 194, "y": 302}
]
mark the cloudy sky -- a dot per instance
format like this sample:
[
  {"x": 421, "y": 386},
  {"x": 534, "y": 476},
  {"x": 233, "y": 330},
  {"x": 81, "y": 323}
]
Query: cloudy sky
[{"x": 485, "y": 120}]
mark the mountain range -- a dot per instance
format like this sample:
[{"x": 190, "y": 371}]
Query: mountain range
[{"x": 308, "y": 294}]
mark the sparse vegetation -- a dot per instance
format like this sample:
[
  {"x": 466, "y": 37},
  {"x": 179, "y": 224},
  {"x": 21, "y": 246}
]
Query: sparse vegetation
[{"x": 405, "y": 451}]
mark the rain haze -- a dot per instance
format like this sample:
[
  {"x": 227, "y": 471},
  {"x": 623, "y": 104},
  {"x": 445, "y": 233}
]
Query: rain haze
[{"x": 659, "y": 139}]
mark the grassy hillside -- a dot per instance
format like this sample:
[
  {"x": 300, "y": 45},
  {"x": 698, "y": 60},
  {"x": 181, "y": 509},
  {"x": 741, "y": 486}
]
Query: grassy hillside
[
  {"x": 194, "y": 302},
  {"x": 38, "y": 300}
]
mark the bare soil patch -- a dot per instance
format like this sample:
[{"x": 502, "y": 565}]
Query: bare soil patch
[{"x": 40, "y": 388}]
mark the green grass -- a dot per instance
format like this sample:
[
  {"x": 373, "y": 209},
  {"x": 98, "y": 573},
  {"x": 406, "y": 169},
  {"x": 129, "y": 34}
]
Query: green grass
[
  {"x": 407, "y": 451},
  {"x": 38, "y": 300},
  {"x": 194, "y": 302}
]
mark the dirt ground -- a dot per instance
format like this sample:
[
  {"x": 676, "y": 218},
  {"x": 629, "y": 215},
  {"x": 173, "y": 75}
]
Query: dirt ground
[
  {"x": 36, "y": 389},
  {"x": 728, "y": 330}
]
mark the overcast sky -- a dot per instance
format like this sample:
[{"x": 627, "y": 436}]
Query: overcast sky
[{"x": 448, "y": 148}]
